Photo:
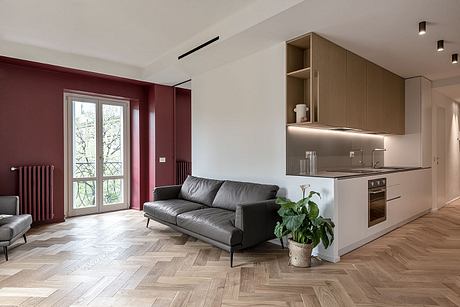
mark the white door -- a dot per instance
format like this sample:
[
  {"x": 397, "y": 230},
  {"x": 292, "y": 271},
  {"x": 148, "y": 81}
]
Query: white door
[
  {"x": 441, "y": 156},
  {"x": 97, "y": 154}
]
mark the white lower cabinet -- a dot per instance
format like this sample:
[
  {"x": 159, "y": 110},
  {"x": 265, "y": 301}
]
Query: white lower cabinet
[{"x": 408, "y": 196}]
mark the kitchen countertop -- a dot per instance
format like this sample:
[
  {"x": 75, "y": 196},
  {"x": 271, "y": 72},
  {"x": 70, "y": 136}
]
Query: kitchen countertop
[{"x": 363, "y": 172}]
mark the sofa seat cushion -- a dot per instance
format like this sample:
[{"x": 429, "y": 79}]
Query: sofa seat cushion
[
  {"x": 214, "y": 223},
  {"x": 200, "y": 190},
  {"x": 12, "y": 226},
  {"x": 233, "y": 193},
  {"x": 167, "y": 210}
]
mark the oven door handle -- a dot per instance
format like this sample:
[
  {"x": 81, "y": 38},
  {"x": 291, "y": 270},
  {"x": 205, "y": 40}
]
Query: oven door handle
[{"x": 377, "y": 192}]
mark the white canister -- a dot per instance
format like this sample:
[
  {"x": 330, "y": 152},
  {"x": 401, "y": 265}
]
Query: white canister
[{"x": 300, "y": 113}]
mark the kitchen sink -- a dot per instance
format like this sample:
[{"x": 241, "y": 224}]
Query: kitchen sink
[
  {"x": 356, "y": 170},
  {"x": 367, "y": 170}
]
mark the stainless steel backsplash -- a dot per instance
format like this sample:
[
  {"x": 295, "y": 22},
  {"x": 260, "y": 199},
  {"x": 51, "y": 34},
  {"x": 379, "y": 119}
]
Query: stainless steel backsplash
[{"x": 332, "y": 147}]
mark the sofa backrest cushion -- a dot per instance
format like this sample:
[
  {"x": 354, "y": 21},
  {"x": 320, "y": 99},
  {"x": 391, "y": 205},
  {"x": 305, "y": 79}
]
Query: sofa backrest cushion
[
  {"x": 232, "y": 193},
  {"x": 200, "y": 190}
]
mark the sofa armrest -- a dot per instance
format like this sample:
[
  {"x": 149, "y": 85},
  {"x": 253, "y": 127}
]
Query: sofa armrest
[
  {"x": 257, "y": 221},
  {"x": 9, "y": 205},
  {"x": 166, "y": 192}
]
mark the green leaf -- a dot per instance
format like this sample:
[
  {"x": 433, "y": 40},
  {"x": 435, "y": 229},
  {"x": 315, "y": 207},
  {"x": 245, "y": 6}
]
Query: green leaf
[
  {"x": 324, "y": 238},
  {"x": 313, "y": 193},
  {"x": 294, "y": 222},
  {"x": 279, "y": 230},
  {"x": 316, "y": 237},
  {"x": 282, "y": 201},
  {"x": 285, "y": 212},
  {"x": 303, "y": 202},
  {"x": 313, "y": 210},
  {"x": 329, "y": 228}
]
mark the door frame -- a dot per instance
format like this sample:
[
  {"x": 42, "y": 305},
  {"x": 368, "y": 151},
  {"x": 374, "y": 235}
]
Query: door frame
[{"x": 68, "y": 175}]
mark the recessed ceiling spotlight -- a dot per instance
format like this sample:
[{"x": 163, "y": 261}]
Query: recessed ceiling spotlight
[
  {"x": 455, "y": 58},
  {"x": 440, "y": 45},
  {"x": 422, "y": 28}
]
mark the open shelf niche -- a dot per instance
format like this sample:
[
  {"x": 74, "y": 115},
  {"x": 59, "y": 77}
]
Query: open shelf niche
[{"x": 298, "y": 76}]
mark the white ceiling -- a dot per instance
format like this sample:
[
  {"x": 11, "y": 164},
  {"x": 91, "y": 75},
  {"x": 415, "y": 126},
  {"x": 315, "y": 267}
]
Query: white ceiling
[
  {"x": 141, "y": 39},
  {"x": 129, "y": 32},
  {"x": 450, "y": 87}
]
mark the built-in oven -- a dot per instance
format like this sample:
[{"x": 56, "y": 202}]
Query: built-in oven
[{"x": 377, "y": 201}]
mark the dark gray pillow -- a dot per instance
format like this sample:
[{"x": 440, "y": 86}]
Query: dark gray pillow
[
  {"x": 200, "y": 190},
  {"x": 232, "y": 193}
]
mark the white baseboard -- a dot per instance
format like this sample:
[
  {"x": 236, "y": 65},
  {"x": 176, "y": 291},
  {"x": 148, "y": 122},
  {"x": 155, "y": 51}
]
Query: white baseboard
[
  {"x": 452, "y": 200},
  {"x": 327, "y": 257}
]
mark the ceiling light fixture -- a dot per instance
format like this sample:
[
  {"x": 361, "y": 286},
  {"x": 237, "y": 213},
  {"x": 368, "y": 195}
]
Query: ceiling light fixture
[
  {"x": 455, "y": 58},
  {"x": 422, "y": 28},
  {"x": 440, "y": 45}
]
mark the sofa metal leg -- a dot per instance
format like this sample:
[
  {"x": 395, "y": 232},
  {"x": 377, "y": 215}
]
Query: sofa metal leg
[
  {"x": 25, "y": 238},
  {"x": 231, "y": 259},
  {"x": 148, "y": 221},
  {"x": 282, "y": 243},
  {"x": 5, "y": 251}
]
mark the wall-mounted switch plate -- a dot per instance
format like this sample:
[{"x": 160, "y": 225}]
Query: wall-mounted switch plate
[
  {"x": 162, "y": 160},
  {"x": 352, "y": 154}
]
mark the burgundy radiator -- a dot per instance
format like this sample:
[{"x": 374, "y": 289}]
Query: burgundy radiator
[
  {"x": 36, "y": 191},
  {"x": 183, "y": 169}
]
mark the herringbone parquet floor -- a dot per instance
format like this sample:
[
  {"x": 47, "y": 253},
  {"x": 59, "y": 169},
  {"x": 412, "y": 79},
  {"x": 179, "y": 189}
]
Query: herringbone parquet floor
[{"x": 112, "y": 259}]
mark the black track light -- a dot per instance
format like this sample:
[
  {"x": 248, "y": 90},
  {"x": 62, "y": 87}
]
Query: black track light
[
  {"x": 422, "y": 28},
  {"x": 455, "y": 58},
  {"x": 440, "y": 45}
]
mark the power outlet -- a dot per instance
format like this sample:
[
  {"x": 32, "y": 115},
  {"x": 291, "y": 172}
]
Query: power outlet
[{"x": 162, "y": 160}]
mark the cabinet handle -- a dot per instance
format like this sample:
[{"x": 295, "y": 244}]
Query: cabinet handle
[
  {"x": 317, "y": 96},
  {"x": 377, "y": 192}
]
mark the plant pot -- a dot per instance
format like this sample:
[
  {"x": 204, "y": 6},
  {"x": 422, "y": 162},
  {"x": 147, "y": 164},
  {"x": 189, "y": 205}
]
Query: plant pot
[{"x": 299, "y": 254}]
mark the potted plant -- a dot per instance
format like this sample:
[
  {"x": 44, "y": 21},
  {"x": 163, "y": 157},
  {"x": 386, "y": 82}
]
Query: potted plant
[{"x": 305, "y": 227}]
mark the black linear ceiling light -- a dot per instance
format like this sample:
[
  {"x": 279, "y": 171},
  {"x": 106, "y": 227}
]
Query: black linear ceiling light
[
  {"x": 198, "y": 47},
  {"x": 455, "y": 58},
  {"x": 422, "y": 28},
  {"x": 440, "y": 45}
]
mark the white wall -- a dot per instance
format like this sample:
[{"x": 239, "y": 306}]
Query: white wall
[
  {"x": 238, "y": 122},
  {"x": 238, "y": 126},
  {"x": 414, "y": 147},
  {"x": 452, "y": 150}
]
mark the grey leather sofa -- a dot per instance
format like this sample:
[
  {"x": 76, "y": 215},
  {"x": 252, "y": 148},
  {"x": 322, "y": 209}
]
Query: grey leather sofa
[
  {"x": 14, "y": 226},
  {"x": 228, "y": 214}
]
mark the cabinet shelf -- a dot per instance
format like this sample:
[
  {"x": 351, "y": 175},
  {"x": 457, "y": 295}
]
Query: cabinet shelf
[{"x": 303, "y": 73}]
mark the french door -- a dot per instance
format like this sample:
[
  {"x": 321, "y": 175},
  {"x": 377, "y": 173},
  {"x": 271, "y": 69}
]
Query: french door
[{"x": 97, "y": 154}]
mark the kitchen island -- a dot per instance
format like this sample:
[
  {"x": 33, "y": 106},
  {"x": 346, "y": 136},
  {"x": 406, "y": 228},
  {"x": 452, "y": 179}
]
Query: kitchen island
[{"x": 406, "y": 196}]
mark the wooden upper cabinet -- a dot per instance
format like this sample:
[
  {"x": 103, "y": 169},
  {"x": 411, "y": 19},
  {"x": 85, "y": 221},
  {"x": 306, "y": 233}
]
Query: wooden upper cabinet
[
  {"x": 393, "y": 103},
  {"x": 356, "y": 91},
  {"x": 329, "y": 81},
  {"x": 341, "y": 88},
  {"x": 374, "y": 98}
]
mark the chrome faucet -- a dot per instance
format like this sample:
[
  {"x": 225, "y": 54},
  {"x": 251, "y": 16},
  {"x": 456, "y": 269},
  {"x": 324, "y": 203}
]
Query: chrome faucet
[{"x": 374, "y": 163}]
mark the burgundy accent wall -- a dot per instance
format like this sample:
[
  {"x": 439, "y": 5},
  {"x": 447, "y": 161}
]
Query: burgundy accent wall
[
  {"x": 183, "y": 111},
  {"x": 32, "y": 125},
  {"x": 162, "y": 128}
]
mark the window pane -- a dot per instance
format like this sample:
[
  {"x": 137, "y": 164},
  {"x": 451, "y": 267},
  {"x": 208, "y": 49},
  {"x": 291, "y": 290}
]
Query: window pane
[
  {"x": 113, "y": 191},
  {"x": 112, "y": 139},
  {"x": 84, "y": 139},
  {"x": 84, "y": 194}
]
